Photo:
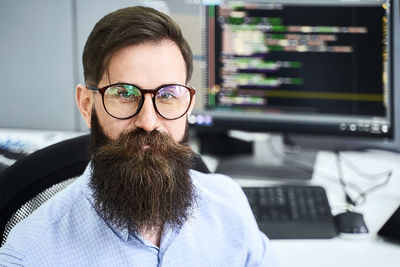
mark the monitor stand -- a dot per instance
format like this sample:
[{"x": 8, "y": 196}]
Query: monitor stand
[{"x": 271, "y": 159}]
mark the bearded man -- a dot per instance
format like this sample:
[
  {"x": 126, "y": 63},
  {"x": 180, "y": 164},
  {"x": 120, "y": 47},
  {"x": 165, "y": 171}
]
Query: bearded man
[{"x": 138, "y": 203}]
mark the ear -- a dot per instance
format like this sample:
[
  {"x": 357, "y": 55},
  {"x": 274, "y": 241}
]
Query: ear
[{"x": 84, "y": 100}]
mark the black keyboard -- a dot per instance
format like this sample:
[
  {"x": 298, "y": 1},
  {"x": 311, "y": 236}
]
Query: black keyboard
[{"x": 292, "y": 211}]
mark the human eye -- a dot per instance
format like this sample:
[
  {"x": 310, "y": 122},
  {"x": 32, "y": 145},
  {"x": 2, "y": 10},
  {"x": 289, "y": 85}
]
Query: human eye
[
  {"x": 124, "y": 93},
  {"x": 168, "y": 94}
]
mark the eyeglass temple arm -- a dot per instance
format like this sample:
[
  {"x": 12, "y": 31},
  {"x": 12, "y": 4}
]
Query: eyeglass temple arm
[{"x": 92, "y": 88}]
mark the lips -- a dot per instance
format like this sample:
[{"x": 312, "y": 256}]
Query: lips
[{"x": 145, "y": 146}]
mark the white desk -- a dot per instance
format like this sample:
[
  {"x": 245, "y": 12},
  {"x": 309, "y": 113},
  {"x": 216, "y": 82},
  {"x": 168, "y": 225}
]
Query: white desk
[
  {"x": 29, "y": 140},
  {"x": 370, "y": 250}
]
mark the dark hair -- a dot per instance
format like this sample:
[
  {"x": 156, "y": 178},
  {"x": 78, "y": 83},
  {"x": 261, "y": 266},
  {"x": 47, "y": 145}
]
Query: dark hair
[{"x": 125, "y": 27}]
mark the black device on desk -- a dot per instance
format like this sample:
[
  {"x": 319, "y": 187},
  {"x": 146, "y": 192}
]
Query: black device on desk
[
  {"x": 350, "y": 222},
  {"x": 284, "y": 212},
  {"x": 391, "y": 229}
]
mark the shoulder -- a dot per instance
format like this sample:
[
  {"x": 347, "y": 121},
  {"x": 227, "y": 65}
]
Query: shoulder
[
  {"x": 38, "y": 227},
  {"x": 212, "y": 183},
  {"x": 225, "y": 217},
  {"x": 218, "y": 192}
]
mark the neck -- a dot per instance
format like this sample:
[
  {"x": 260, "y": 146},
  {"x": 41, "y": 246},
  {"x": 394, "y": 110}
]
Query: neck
[{"x": 153, "y": 235}]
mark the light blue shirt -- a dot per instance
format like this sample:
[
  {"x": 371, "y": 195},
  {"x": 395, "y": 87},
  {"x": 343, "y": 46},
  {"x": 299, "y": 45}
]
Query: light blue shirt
[{"x": 67, "y": 231}]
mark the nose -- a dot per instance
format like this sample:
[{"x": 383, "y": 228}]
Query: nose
[{"x": 147, "y": 118}]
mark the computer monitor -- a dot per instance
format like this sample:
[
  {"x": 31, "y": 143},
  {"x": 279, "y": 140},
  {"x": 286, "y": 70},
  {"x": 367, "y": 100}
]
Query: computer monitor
[{"x": 319, "y": 72}]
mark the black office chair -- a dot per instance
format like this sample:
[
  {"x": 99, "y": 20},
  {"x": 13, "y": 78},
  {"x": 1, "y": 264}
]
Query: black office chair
[{"x": 32, "y": 180}]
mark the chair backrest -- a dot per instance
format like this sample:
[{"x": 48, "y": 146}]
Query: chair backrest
[{"x": 32, "y": 180}]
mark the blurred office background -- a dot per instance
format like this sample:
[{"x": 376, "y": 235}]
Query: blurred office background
[{"x": 41, "y": 48}]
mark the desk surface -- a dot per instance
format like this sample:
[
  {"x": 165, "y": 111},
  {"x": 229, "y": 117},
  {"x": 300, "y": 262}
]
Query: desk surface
[
  {"x": 28, "y": 141},
  {"x": 369, "y": 250}
]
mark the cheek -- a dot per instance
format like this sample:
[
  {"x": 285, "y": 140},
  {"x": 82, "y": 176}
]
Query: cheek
[
  {"x": 112, "y": 127},
  {"x": 176, "y": 129},
  {"x": 116, "y": 127}
]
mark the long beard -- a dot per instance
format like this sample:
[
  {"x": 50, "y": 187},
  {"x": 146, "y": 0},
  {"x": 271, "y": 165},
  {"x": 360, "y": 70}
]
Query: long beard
[{"x": 141, "y": 180}]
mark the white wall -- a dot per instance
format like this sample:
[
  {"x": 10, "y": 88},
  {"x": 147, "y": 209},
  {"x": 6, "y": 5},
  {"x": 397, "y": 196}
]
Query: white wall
[{"x": 41, "y": 44}]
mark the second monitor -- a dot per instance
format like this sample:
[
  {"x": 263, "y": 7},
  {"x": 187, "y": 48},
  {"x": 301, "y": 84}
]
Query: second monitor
[{"x": 300, "y": 67}]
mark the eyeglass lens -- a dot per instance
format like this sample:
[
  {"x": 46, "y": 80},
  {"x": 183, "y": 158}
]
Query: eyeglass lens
[{"x": 123, "y": 100}]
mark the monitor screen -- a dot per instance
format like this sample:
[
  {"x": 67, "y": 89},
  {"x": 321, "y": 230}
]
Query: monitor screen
[{"x": 300, "y": 67}]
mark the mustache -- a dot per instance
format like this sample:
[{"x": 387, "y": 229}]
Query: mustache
[
  {"x": 99, "y": 139},
  {"x": 138, "y": 143}
]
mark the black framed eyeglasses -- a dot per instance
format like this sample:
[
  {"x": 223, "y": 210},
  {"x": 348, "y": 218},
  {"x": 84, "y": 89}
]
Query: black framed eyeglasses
[{"x": 124, "y": 100}]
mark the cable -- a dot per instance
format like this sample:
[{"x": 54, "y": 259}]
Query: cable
[
  {"x": 363, "y": 174},
  {"x": 342, "y": 182},
  {"x": 362, "y": 194}
]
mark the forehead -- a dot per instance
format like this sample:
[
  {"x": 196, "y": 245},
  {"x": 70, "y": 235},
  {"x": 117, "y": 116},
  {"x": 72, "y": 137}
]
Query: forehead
[{"x": 148, "y": 65}]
